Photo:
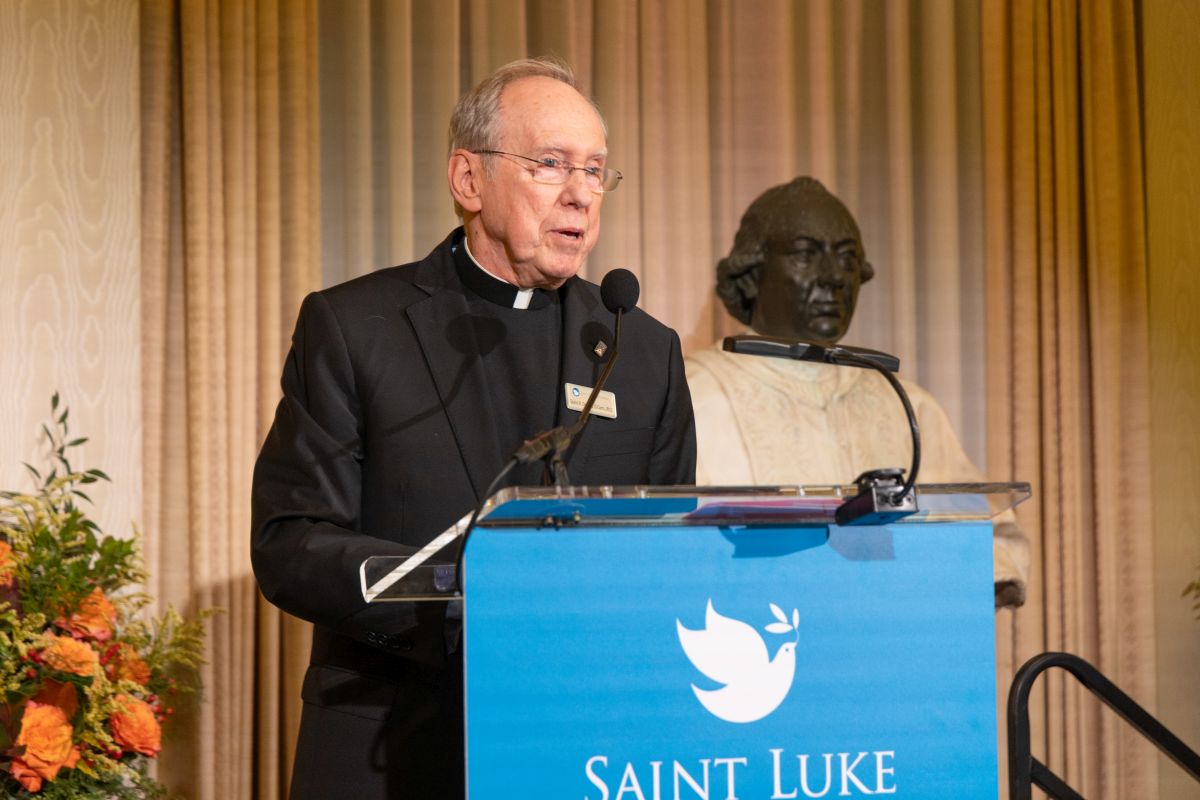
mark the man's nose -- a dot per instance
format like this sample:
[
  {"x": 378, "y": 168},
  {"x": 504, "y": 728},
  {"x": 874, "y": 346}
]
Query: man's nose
[{"x": 576, "y": 192}]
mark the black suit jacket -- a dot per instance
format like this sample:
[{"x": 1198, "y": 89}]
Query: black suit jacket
[{"x": 382, "y": 440}]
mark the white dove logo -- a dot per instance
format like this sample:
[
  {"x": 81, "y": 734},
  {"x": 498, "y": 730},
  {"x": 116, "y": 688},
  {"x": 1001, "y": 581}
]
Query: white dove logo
[{"x": 733, "y": 653}]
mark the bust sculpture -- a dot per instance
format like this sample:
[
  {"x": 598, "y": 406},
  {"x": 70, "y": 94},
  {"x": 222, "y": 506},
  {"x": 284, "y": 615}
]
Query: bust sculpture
[
  {"x": 796, "y": 266},
  {"x": 794, "y": 272}
]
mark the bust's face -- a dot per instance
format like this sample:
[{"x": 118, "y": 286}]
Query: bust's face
[{"x": 811, "y": 272}]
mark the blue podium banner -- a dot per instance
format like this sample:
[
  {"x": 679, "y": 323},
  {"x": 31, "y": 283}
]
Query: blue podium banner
[{"x": 672, "y": 663}]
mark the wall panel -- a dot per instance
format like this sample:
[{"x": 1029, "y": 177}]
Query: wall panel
[{"x": 69, "y": 228}]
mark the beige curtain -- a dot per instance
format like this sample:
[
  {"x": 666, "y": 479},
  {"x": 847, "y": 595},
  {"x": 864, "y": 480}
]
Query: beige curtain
[
  {"x": 230, "y": 243},
  {"x": 1068, "y": 364},
  {"x": 708, "y": 104}
]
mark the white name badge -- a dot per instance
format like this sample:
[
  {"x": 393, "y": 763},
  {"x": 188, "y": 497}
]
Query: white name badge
[{"x": 577, "y": 397}]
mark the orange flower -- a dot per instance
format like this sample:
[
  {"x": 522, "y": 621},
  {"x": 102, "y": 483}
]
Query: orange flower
[
  {"x": 58, "y": 694},
  {"x": 30, "y": 779},
  {"x": 46, "y": 735},
  {"x": 135, "y": 727},
  {"x": 26, "y": 776},
  {"x": 8, "y": 565},
  {"x": 67, "y": 655},
  {"x": 126, "y": 665},
  {"x": 94, "y": 619}
]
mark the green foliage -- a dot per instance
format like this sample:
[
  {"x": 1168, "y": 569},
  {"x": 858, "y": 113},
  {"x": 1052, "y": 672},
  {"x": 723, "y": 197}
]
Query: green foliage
[
  {"x": 1192, "y": 590},
  {"x": 134, "y": 785},
  {"x": 80, "y": 655}
]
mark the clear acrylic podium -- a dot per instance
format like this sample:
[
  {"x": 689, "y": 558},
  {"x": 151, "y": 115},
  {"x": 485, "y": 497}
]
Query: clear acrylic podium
[{"x": 714, "y": 642}]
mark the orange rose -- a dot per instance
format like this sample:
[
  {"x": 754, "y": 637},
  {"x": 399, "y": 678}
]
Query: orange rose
[
  {"x": 126, "y": 665},
  {"x": 25, "y": 776},
  {"x": 58, "y": 694},
  {"x": 94, "y": 619},
  {"x": 67, "y": 655},
  {"x": 30, "y": 779},
  {"x": 8, "y": 565},
  {"x": 135, "y": 727},
  {"x": 46, "y": 735}
]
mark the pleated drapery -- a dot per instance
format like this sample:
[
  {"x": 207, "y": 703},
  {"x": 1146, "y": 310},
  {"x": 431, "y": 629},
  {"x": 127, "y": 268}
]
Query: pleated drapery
[
  {"x": 1068, "y": 366},
  {"x": 230, "y": 244}
]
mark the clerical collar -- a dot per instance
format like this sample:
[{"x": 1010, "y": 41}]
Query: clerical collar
[{"x": 495, "y": 290}]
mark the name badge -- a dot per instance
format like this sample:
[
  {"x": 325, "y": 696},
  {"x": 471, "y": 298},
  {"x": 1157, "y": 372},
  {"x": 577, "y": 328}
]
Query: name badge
[{"x": 577, "y": 397}]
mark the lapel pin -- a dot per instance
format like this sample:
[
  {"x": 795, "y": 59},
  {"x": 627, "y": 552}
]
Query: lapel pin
[{"x": 600, "y": 349}]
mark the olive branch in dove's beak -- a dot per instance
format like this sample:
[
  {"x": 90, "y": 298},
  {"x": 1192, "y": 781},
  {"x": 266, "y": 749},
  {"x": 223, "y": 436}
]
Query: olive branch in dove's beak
[{"x": 783, "y": 625}]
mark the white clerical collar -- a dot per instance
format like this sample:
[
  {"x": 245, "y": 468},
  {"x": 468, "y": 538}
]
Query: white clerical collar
[{"x": 523, "y": 296}]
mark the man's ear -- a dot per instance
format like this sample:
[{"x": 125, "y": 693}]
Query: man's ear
[
  {"x": 868, "y": 271},
  {"x": 463, "y": 174}
]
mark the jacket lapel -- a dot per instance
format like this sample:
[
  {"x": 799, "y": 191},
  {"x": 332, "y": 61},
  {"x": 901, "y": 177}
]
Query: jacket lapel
[
  {"x": 586, "y": 322},
  {"x": 449, "y": 341}
]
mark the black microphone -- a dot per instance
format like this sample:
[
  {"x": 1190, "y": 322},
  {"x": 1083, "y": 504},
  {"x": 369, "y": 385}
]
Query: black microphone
[
  {"x": 807, "y": 351},
  {"x": 619, "y": 291}
]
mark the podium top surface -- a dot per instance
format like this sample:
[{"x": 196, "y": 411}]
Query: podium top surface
[
  {"x": 607, "y": 506},
  {"x": 429, "y": 574}
]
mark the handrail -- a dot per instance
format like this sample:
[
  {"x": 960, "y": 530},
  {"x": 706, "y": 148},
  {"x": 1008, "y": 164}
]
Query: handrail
[{"x": 1024, "y": 770}]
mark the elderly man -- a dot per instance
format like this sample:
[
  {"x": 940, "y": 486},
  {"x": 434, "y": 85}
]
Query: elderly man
[
  {"x": 794, "y": 272},
  {"x": 405, "y": 392}
]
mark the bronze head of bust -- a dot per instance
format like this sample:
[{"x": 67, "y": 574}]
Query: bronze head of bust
[{"x": 796, "y": 265}]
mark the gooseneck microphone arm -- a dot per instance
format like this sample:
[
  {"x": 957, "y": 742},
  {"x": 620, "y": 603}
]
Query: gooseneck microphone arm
[
  {"x": 837, "y": 355},
  {"x": 563, "y": 442},
  {"x": 555, "y": 441},
  {"x": 619, "y": 292}
]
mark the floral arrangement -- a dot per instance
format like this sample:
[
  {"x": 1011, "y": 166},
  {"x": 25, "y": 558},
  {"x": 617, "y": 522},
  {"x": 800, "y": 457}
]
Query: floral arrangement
[{"x": 88, "y": 676}]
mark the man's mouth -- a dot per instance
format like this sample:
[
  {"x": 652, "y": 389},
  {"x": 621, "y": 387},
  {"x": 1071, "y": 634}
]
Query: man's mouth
[{"x": 574, "y": 234}]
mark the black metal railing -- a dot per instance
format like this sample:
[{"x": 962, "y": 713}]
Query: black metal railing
[{"x": 1024, "y": 771}]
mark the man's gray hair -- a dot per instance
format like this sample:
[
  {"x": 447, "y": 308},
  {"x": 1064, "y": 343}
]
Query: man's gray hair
[{"x": 475, "y": 123}]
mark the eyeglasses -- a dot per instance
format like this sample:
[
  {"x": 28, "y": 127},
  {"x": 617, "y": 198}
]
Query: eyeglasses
[{"x": 556, "y": 171}]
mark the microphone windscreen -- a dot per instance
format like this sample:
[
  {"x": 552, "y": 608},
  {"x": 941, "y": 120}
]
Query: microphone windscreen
[{"x": 620, "y": 290}]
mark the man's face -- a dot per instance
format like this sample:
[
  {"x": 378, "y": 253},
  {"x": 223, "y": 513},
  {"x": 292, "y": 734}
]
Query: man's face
[
  {"x": 811, "y": 273},
  {"x": 535, "y": 234}
]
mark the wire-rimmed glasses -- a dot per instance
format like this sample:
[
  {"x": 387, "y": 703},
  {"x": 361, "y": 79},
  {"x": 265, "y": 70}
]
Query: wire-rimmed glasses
[{"x": 549, "y": 169}]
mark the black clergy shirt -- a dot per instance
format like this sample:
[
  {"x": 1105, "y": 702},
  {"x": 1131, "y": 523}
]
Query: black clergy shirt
[{"x": 521, "y": 352}]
